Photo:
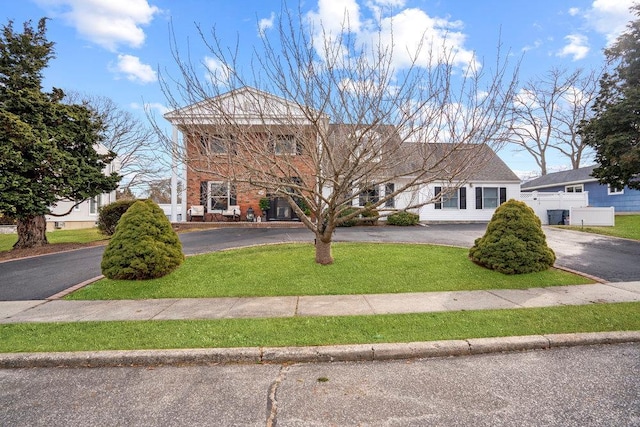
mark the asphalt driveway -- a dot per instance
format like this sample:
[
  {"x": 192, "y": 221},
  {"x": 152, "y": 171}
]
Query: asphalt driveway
[{"x": 611, "y": 259}]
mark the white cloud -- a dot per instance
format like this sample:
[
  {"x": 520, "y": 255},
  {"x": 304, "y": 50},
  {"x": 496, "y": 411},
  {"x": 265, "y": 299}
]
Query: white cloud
[
  {"x": 574, "y": 11},
  {"x": 536, "y": 44},
  {"x": 578, "y": 47},
  {"x": 610, "y": 17},
  {"x": 217, "y": 72},
  {"x": 266, "y": 23},
  {"x": 393, "y": 29},
  {"x": 134, "y": 70},
  {"x": 108, "y": 23},
  {"x": 150, "y": 106}
]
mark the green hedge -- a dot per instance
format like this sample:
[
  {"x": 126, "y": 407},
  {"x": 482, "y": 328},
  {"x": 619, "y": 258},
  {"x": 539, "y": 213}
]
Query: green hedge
[
  {"x": 110, "y": 214},
  {"x": 403, "y": 218}
]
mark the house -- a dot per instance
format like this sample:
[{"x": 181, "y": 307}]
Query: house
[
  {"x": 269, "y": 124},
  {"x": 85, "y": 214},
  {"x": 581, "y": 180}
]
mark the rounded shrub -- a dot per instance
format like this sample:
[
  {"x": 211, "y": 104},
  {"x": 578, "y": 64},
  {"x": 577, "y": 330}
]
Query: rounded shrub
[
  {"x": 144, "y": 245},
  {"x": 110, "y": 214},
  {"x": 403, "y": 218},
  {"x": 514, "y": 242},
  {"x": 349, "y": 222},
  {"x": 369, "y": 215}
]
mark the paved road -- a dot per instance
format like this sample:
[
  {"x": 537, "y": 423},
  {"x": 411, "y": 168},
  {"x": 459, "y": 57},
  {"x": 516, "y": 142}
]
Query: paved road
[
  {"x": 39, "y": 278},
  {"x": 580, "y": 386}
]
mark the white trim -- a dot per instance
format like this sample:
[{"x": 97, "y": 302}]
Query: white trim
[
  {"x": 614, "y": 192},
  {"x": 574, "y": 186}
]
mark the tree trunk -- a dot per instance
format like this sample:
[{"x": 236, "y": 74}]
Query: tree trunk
[
  {"x": 323, "y": 252},
  {"x": 31, "y": 232}
]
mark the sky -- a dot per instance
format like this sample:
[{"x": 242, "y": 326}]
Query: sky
[{"x": 117, "y": 48}]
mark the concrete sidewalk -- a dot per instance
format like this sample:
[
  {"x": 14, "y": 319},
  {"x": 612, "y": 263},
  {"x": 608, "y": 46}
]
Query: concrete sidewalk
[{"x": 328, "y": 305}]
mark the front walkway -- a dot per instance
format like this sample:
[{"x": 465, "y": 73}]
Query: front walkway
[{"x": 326, "y": 305}]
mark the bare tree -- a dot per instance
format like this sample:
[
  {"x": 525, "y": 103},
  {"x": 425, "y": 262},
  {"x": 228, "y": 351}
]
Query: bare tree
[
  {"x": 134, "y": 141},
  {"x": 547, "y": 111},
  {"x": 160, "y": 190},
  {"x": 330, "y": 120}
]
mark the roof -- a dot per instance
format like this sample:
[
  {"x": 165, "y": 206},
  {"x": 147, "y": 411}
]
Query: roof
[
  {"x": 573, "y": 176},
  {"x": 246, "y": 105},
  {"x": 442, "y": 161}
]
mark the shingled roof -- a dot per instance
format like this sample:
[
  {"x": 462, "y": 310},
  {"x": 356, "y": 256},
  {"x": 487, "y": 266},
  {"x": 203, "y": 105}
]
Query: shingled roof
[{"x": 573, "y": 176}]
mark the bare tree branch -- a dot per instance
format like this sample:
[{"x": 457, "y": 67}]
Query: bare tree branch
[
  {"x": 547, "y": 111},
  {"x": 327, "y": 117}
]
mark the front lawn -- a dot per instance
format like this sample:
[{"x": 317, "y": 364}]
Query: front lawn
[
  {"x": 84, "y": 235},
  {"x": 627, "y": 226},
  {"x": 304, "y": 331},
  {"x": 289, "y": 269}
]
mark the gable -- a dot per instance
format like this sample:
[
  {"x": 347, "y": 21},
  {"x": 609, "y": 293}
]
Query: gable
[{"x": 245, "y": 105}]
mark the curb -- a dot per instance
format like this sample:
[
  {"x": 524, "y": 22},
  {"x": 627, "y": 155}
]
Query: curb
[{"x": 337, "y": 353}]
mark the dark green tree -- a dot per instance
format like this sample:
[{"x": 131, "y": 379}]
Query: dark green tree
[
  {"x": 144, "y": 245},
  {"x": 614, "y": 131},
  {"x": 47, "y": 147},
  {"x": 514, "y": 242}
]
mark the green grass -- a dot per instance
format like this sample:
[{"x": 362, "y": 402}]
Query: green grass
[
  {"x": 84, "y": 235},
  {"x": 303, "y": 331},
  {"x": 627, "y": 226},
  {"x": 359, "y": 268}
]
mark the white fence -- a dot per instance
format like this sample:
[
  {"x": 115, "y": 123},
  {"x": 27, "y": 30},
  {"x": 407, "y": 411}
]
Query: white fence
[
  {"x": 541, "y": 202},
  {"x": 593, "y": 216}
]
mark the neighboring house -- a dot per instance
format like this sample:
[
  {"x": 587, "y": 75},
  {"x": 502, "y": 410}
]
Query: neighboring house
[
  {"x": 85, "y": 214},
  {"x": 580, "y": 180},
  {"x": 470, "y": 197}
]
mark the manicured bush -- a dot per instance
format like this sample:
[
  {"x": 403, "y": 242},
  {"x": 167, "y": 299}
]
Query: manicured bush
[
  {"x": 110, "y": 214},
  {"x": 514, "y": 242},
  {"x": 369, "y": 216},
  {"x": 403, "y": 218},
  {"x": 144, "y": 245},
  {"x": 350, "y": 222}
]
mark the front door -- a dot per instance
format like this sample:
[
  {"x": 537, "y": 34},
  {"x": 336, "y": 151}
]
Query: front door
[{"x": 279, "y": 210}]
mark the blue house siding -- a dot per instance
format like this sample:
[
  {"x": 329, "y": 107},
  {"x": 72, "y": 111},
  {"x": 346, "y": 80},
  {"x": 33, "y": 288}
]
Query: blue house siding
[{"x": 629, "y": 201}]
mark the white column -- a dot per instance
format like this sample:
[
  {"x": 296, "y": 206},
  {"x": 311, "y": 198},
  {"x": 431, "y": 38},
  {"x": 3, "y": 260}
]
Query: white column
[
  {"x": 174, "y": 175},
  {"x": 184, "y": 192}
]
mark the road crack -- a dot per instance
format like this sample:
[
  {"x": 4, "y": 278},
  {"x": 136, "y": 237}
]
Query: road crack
[{"x": 272, "y": 397}]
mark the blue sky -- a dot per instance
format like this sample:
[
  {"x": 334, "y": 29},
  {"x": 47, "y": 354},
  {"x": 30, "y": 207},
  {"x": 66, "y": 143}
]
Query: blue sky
[{"x": 114, "y": 48}]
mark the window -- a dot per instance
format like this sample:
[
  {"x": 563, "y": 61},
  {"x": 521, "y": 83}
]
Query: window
[
  {"x": 215, "y": 144},
  {"x": 221, "y": 195},
  {"x": 490, "y": 197},
  {"x": 369, "y": 195},
  {"x": 389, "y": 188},
  {"x": 285, "y": 144},
  {"x": 453, "y": 199},
  {"x": 614, "y": 191},
  {"x": 94, "y": 205},
  {"x": 578, "y": 188}
]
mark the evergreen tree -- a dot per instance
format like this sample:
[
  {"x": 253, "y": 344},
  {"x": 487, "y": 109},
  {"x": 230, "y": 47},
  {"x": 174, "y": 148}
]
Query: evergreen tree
[
  {"x": 144, "y": 245},
  {"x": 47, "y": 148},
  {"x": 614, "y": 131},
  {"x": 514, "y": 242}
]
